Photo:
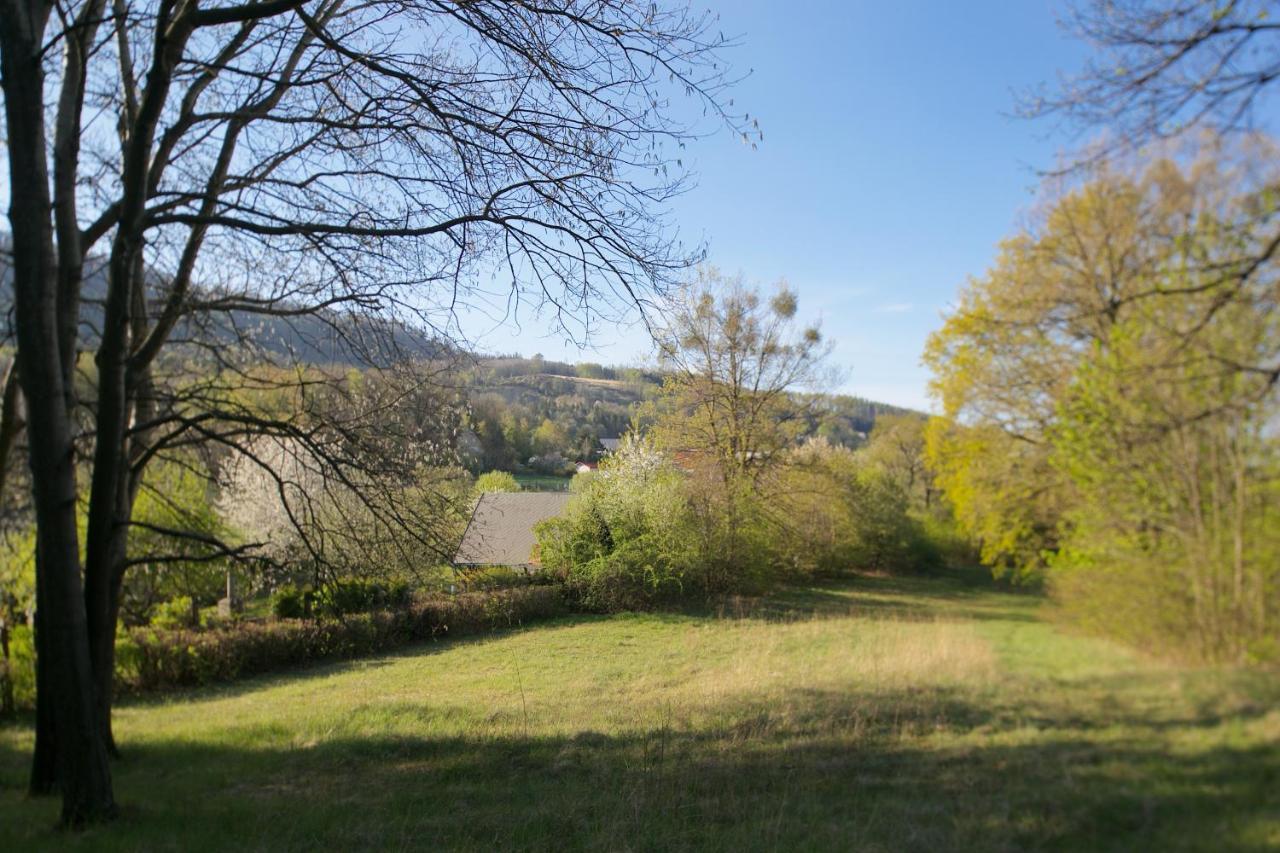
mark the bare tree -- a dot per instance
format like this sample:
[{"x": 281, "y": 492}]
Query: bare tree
[
  {"x": 367, "y": 166},
  {"x": 1163, "y": 68},
  {"x": 729, "y": 410}
]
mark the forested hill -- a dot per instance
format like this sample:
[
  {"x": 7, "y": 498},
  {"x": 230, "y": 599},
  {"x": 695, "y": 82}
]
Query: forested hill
[
  {"x": 534, "y": 413},
  {"x": 322, "y": 336}
]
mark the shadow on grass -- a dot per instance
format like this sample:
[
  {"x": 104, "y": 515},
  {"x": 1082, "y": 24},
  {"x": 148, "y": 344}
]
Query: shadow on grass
[{"x": 820, "y": 770}]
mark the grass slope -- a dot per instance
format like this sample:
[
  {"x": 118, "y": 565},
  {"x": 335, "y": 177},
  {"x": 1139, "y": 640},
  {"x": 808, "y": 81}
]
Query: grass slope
[{"x": 874, "y": 714}]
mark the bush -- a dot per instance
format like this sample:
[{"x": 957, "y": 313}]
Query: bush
[
  {"x": 339, "y": 599},
  {"x": 623, "y": 543},
  {"x": 156, "y": 659},
  {"x": 290, "y": 602},
  {"x": 494, "y": 577},
  {"x": 177, "y": 612},
  {"x": 496, "y": 481}
]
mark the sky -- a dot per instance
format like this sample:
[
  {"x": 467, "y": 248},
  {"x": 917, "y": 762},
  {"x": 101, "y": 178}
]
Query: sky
[{"x": 891, "y": 168}]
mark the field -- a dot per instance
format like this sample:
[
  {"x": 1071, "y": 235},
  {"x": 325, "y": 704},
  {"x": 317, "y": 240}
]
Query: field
[
  {"x": 874, "y": 713},
  {"x": 542, "y": 482}
]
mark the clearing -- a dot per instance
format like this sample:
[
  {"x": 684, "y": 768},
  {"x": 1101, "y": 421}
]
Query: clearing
[{"x": 870, "y": 713}]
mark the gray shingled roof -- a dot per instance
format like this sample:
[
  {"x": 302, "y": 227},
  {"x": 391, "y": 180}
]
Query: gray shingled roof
[
  {"x": 501, "y": 529},
  {"x": 610, "y": 444}
]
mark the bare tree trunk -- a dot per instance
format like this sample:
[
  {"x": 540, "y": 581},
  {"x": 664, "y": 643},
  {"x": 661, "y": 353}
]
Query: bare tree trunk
[
  {"x": 64, "y": 678},
  {"x": 105, "y": 538}
]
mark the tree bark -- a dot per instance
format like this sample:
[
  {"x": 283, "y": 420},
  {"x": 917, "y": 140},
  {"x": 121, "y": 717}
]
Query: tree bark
[{"x": 83, "y": 772}]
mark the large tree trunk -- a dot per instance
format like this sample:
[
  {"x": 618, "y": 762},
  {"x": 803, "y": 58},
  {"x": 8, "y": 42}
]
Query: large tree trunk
[
  {"x": 113, "y": 488},
  {"x": 105, "y": 539},
  {"x": 83, "y": 772}
]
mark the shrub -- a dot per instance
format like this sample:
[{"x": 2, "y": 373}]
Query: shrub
[
  {"x": 623, "y": 542},
  {"x": 290, "y": 602},
  {"x": 159, "y": 658},
  {"x": 345, "y": 597},
  {"x": 177, "y": 612},
  {"x": 496, "y": 481},
  {"x": 494, "y": 577}
]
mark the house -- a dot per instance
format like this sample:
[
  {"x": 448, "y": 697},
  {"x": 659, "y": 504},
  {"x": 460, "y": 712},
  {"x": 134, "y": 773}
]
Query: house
[
  {"x": 500, "y": 532},
  {"x": 584, "y": 467},
  {"x": 610, "y": 445}
]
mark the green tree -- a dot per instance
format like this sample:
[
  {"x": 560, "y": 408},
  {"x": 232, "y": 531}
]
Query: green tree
[
  {"x": 625, "y": 540},
  {"x": 897, "y": 447},
  {"x": 1104, "y": 415},
  {"x": 549, "y": 437},
  {"x": 176, "y": 544}
]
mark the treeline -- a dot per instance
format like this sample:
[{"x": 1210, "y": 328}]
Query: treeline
[{"x": 1110, "y": 399}]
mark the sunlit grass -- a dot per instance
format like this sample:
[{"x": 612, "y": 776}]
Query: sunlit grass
[{"x": 873, "y": 713}]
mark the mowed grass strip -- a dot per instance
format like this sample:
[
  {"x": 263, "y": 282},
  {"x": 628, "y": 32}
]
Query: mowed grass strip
[{"x": 875, "y": 713}]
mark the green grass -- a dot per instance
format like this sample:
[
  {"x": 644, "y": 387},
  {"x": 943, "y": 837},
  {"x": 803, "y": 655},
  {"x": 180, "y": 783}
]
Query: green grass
[
  {"x": 542, "y": 482},
  {"x": 872, "y": 714}
]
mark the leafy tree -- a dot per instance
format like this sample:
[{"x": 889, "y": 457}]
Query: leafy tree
[
  {"x": 1175, "y": 544},
  {"x": 897, "y": 447},
  {"x": 1166, "y": 75},
  {"x": 1006, "y": 356},
  {"x": 176, "y": 542},
  {"x": 1101, "y": 417},
  {"x": 550, "y": 437}
]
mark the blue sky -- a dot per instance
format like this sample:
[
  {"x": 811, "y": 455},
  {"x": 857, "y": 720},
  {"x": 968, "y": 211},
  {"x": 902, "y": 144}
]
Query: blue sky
[{"x": 891, "y": 168}]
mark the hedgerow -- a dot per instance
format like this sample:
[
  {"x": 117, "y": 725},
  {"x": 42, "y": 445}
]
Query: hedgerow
[{"x": 152, "y": 659}]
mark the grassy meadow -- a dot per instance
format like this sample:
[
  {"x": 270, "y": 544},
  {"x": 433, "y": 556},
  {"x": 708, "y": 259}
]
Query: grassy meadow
[
  {"x": 872, "y": 713},
  {"x": 542, "y": 482}
]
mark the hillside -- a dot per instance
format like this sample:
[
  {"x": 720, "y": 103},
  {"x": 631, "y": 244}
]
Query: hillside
[
  {"x": 577, "y": 404},
  {"x": 872, "y": 713},
  {"x": 326, "y": 336}
]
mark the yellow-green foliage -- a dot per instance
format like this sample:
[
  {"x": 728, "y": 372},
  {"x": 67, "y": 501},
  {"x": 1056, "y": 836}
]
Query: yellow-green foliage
[
  {"x": 1108, "y": 409},
  {"x": 496, "y": 481},
  {"x": 1005, "y": 494}
]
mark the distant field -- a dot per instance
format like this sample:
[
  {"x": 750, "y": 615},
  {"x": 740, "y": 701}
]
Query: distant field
[
  {"x": 871, "y": 714},
  {"x": 542, "y": 482}
]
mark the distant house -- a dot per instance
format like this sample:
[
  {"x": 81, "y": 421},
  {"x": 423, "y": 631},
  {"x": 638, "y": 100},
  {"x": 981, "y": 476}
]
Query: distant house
[
  {"x": 584, "y": 467},
  {"x": 610, "y": 445},
  {"x": 500, "y": 532}
]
